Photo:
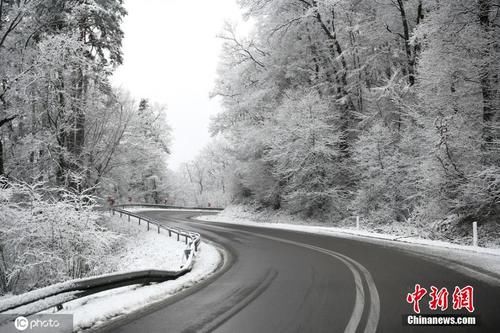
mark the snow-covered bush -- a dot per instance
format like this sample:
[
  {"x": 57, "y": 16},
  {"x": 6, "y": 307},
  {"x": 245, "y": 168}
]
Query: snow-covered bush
[{"x": 47, "y": 235}]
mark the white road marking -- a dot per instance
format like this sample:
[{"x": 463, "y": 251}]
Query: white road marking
[{"x": 354, "y": 266}]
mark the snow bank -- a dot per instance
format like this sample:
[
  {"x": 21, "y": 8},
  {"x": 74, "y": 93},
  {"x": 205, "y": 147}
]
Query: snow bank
[
  {"x": 485, "y": 259},
  {"x": 97, "y": 309},
  {"x": 143, "y": 249},
  {"x": 138, "y": 250},
  {"x": 146, "y": 250},
  {"x": 282, "y": 220}
]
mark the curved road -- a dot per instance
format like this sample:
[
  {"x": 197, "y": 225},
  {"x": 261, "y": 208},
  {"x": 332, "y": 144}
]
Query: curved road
[{"x": 285, "y": 281}]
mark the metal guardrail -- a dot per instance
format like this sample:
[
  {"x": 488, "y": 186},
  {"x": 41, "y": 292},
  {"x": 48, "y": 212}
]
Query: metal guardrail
[
  {"x": 189, "y": 237},
  {"x": 56, "y": 295},
  {"x": 146, "y": 205}
]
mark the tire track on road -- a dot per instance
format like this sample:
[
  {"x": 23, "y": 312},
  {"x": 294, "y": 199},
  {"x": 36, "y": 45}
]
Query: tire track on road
[{"x": 357, "y": 270}]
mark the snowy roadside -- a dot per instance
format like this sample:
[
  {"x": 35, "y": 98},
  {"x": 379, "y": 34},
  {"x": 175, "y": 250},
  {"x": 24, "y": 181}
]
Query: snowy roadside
[
  {"x": 142, "y": 250},
  {"x": 140, "y": 209},
  {"x": 145, "y": 250},
  {"x": 478, "y": 262}
]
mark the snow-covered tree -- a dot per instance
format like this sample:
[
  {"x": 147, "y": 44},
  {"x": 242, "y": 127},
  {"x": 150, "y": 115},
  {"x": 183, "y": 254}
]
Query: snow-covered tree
[
  {"x": 401, "y": 98},
  {"x": 137, "y": 171}
]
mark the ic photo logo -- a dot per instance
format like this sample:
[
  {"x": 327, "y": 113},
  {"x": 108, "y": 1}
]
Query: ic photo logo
[{"x": 21, "y": 323}]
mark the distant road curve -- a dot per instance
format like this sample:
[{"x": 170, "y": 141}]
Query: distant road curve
[{"x": 284, "y": 281}]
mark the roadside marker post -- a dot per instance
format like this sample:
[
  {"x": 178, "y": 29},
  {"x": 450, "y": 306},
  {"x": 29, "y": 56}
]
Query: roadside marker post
[
  {"x": 357, "y": 222},
  {"x": 474, "y": 234}
]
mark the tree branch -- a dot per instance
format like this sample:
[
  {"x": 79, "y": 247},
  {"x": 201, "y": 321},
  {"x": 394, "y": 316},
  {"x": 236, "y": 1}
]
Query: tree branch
[
  {"x": 7, "y": 120},
  {"x": 392, "y": 32},
  {"x": 15, "y": 22}
]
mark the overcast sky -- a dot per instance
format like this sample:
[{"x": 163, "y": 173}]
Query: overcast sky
[{"x": 170, "y": 56}]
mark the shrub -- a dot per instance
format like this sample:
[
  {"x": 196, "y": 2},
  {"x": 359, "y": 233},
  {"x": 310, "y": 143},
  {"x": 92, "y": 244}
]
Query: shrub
[{"x": 47, "y": 235}]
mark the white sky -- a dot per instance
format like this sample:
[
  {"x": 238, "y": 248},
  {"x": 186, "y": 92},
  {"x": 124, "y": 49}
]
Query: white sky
[{"x": 170, "y": 56}]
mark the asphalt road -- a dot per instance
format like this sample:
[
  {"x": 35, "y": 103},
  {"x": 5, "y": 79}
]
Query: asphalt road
[{"x": 284, "y": 281}]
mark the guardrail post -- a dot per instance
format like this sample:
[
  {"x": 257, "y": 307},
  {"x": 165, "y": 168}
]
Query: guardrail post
[
  {"x": 178, "y": 237},
  {"x": 120, "y": 214},
  {"x": 187, "y": 252},
  {"x": 169, "y": 233},
  {"x": 139, "y": 221},
  {"x": 158, "y": 228},
  {"x": 474, "y": 233},
  {"x": 195, "y": 246},
  {"x": 186, "y": 239},
  {"x": 148, "y": 225},
  {"x": 357, "y": 222},
  {"x": 113, "y": 211},
  {"x": 129, "y": 218}
]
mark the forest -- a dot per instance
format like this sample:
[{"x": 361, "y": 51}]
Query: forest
[
  {"x": 387, "y": 109},
  {"x": 69, "y": 141}
]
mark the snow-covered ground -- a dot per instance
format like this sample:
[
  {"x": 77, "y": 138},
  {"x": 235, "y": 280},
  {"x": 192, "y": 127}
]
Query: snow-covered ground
[
  {"x": 479, "y": 262},
  {"x": 142, "y": 249},
  {"x": 145, "y": 250},
  {"x": 134, "y": 249},
  {"x": 100, "y": 308}
]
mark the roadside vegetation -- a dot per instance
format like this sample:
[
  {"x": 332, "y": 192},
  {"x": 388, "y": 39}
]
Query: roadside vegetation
[
  {"x": 68, "y": 140},
  {"x": 384, "y": 109},
  {"x": 48, "y": 236}
]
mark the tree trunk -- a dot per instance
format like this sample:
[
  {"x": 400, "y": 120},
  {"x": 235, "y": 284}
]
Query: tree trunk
[
  {"x": 73, "y": 139},
  {"x": 342, "y": 90},
  {"x": 406, "y": 34},
  {"x": 2, "y": 170},
  {"x": 3, "y": 122},
  {"x": 486, "y": 75}
]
